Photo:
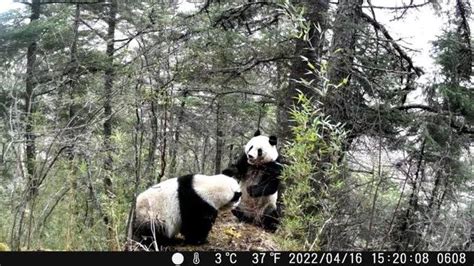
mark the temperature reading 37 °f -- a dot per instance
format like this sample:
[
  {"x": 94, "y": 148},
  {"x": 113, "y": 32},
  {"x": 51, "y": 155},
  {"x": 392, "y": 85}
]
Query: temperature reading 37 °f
[
  {"x": 261, "y": 257},
  {"x": 229, "y": 256}
]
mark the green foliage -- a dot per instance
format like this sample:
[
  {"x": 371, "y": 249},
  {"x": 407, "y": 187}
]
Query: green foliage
[
  {"x": 454, "y": 56},
  {"x": 311, "y": 179},
  {"x": 4, "y": 247}
]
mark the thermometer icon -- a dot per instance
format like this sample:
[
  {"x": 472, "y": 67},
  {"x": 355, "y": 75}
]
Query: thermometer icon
[{"x": 196, "y": 258}]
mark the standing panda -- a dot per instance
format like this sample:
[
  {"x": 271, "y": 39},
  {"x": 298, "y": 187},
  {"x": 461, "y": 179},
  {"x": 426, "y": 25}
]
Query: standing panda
[
  {"x": 258, "y": 170},
  {"x": 186, "y": 205}
]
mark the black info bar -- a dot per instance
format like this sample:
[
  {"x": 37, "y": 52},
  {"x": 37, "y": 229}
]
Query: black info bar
[{"x": 237, "y": 258}]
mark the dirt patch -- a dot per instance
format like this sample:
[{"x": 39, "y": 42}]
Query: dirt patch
[{"x": 228, "y": 234}]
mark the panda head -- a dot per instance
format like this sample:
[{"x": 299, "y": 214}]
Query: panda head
[
  {"x": 220, "y": 191},
  {"x": 261, "y": 149}
]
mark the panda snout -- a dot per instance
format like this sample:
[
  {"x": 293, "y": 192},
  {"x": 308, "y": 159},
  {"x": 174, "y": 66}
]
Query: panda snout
[{"x": 252, "y": 157}]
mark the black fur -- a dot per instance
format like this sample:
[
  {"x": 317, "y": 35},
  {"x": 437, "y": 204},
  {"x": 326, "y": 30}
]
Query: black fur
[
  {"x": 197, "y": 216},
  {"x": 241, "y": 216},
  {"x": 230, "y": 172},
  {"x": 238, "y": 169},
  {"x": 270, "y": 181},
  {"x": 269, "y": 222},
  {"x": 273, "y": 140},
  {"x": 236, "y": 197}
]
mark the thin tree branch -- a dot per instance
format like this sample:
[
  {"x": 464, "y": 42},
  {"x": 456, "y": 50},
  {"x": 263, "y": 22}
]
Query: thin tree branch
[
  {"x": 399, "y": 7},
  {"x": 379, "y": 27}
]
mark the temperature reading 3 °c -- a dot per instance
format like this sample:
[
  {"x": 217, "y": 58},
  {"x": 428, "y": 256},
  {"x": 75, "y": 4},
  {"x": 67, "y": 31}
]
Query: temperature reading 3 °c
[{"x": 232, "y": 257}]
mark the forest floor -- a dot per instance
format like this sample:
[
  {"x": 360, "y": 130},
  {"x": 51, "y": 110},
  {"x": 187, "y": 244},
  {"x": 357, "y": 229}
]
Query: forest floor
[{"x": 229, "y": 234}]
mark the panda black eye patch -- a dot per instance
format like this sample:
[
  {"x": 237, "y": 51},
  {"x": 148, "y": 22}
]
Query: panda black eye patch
[{"x": 251, "y": 147}]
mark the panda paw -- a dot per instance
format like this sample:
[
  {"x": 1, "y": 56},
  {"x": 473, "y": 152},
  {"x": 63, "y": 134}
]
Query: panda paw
[
  {"x": 241, "y": 216},
  {"x": 270, "y": 227},
  {"x": 237, "y": 213}
]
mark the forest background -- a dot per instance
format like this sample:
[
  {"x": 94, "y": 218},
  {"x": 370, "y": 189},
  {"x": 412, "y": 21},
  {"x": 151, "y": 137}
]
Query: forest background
[{"x": 101, "y": 99}]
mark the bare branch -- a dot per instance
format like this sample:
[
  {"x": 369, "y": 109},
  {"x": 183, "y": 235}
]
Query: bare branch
[
  {"x": 399, "y": 7},
  {"x": 379, "y": 27}
]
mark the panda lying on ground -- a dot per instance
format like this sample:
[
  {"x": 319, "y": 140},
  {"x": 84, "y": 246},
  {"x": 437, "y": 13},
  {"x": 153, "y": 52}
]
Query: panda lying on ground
[
  {"x": 259, "y": 170},
  {"x": 186, "y": 205}
]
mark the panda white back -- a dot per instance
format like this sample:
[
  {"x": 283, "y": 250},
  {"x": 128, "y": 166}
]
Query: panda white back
[
  {"x": 214, "y": 189},
  {"x": 186, "y": 205},
  {"x": 160, "y": 203}
]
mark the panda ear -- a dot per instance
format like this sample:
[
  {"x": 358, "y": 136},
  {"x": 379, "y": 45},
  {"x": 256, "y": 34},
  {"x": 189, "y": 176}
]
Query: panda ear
[
  {"x": 257, "y": 133},
  {"x": 273, "y": 140}
]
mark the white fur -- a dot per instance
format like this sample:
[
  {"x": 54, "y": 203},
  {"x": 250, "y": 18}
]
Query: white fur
[
  {"x": 160, "y": 202},
  {"x": 217, "y": 190},
  {"x": 269, "y": 152}
]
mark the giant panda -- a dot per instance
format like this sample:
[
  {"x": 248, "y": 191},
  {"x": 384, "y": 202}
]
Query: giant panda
[
  {"x": 258, "y": 169},
  {"x": 186, "y": 205}
]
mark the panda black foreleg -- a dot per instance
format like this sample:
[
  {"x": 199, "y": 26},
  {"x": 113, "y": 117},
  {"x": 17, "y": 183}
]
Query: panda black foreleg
[
  {"x": 241, "y": 216},
  {"x": 269, "y": 183},
  {"x": 197, "y": 232},
  {"x": 264, "y": 189},
  {"x": 271, "y": 220}
]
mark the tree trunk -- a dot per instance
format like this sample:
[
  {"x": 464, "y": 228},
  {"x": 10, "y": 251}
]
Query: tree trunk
[
  {"x": 108, "y": 89},
  {"x": 342, "y": 103},
  {"x": 164, "y": 135},
  {"x": 137, "y": 145},
  {"x": 30, "y": 106},
  {"x": 410, "y": 238},
  {"x": 219, "y": 142},
  {"x": 70, "y": 126},
  {"x": 344, "y": 40},
  {"x": 30, "y": 147},
  {"x": 150, "y": 169},
  {"x": 311, "y": 49},
  {"x": 177, "y": 132},
  {"x": 202, "y": 166},
  {"x": 335, "y": 100},
  {"x": 72, "y": 85}
]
